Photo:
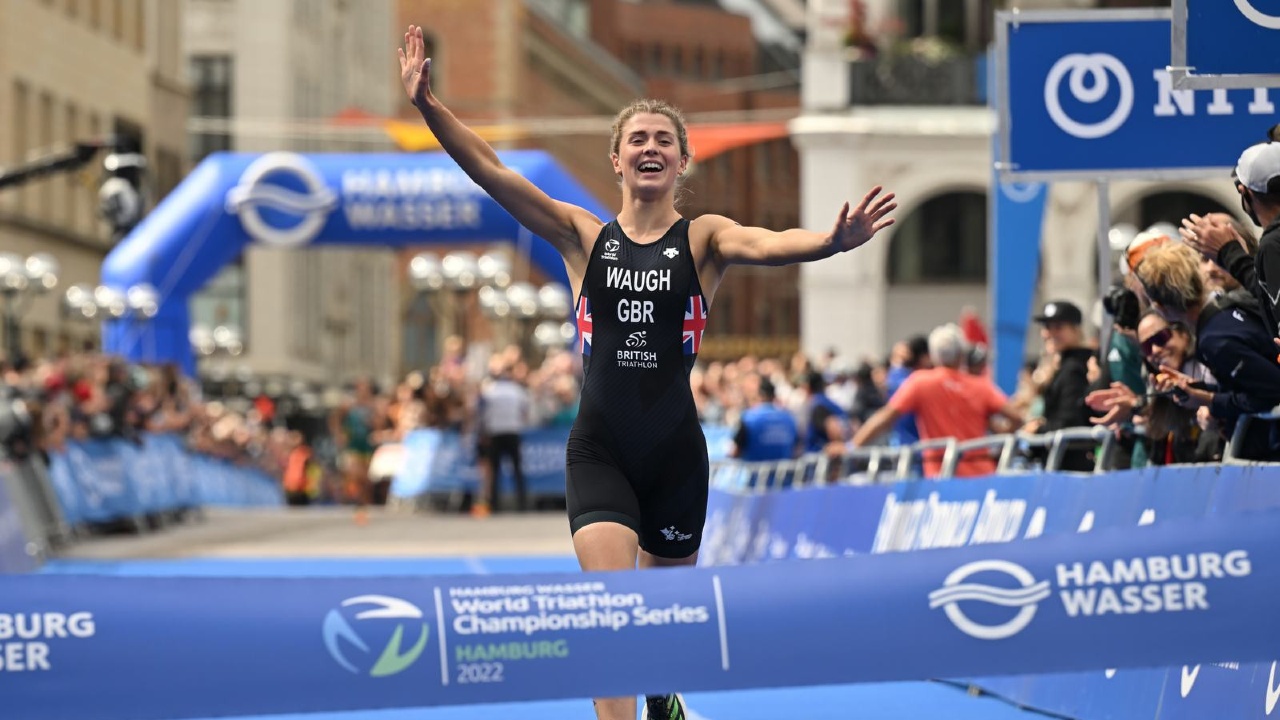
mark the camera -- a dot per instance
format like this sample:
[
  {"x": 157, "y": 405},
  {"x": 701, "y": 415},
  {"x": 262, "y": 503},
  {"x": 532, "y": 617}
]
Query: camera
[{"x": 1122, "y": 305}]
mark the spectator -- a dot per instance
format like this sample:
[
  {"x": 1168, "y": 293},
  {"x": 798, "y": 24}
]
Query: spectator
[
  {"x": 1064, "y": 395},
  {"x": 766, "y": 430},
  {"x": 947, "y": 401},
  {"x": 908, "y": 356},
  {"x": 827, "y": 425},
  {"x": 1257, "y": 179},
  {"x": 503, "y": 414},
  {"x": 1232, "y": 341}
]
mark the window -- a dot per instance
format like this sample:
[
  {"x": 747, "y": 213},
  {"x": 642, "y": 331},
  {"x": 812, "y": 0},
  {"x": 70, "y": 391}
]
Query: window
[
  {"x": 678, "y": 61},
  {"x": 95, "y": 13},
  {"x": 942, "y": 240},
  {"x": 45, "y": 144},
  {"x": 117, "y": 19},
  {"x": 139, "y": 25},
  {"x": 699, "y": 63},
  {"x": 70, "y": 185},
  {"x": 655, "y": 59},
  {"x": 211, "y": 77},
  {"x": 21, "y": 128}
]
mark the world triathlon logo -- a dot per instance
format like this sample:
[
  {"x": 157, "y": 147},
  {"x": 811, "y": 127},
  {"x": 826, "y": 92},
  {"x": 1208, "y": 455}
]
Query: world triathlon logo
[
  {"x": 956, "y": 590},
  {"x": 282, "y": 200},
  {"x": 1257, "y": 17},
  {"x": 384, "y": 626},
  {"x": 1088, "y": 81}
]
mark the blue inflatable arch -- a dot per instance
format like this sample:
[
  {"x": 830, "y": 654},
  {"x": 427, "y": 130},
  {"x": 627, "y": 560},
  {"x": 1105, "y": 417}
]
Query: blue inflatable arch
[{"x": 285, "y": 199}]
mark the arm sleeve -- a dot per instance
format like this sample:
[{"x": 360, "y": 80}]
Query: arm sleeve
[
  {"x": 1268, "y": 266},
  {"x": 1259, "y": 375},
  {"x": 1239, "y": 265}
]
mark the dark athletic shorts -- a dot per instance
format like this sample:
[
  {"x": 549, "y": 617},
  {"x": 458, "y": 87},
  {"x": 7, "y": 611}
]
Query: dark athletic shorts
[{"x": 662, "y": 497}]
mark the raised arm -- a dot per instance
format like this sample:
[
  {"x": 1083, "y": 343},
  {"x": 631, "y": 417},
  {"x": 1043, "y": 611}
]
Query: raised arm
[
  {"x": 560, "y": 223},
  {"x": 734, "y": 244}
]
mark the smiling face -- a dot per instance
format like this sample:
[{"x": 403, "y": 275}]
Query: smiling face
[
  {"x": 649, "y": 157},
  {"x": 1162, "y": 343}
]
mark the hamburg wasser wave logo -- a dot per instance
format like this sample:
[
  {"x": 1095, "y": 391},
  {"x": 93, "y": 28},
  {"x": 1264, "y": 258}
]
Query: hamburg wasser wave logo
[
  {"x": 282, "y": 200},
  {"x": 954, "y": 590},
  {"x": 1124, "y": 586},
  {"x": 354, "y": 649}
]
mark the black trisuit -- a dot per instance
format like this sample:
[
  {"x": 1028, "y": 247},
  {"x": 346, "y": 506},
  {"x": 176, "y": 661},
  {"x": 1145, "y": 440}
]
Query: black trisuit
[{"x": 637, "y": 455}]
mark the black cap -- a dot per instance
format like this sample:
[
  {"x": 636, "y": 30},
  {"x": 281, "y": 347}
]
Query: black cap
[{"x": 1060, "y": 311}]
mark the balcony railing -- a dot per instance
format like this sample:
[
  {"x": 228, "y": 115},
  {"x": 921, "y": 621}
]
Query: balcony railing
[{"x": 911, "y": 80}]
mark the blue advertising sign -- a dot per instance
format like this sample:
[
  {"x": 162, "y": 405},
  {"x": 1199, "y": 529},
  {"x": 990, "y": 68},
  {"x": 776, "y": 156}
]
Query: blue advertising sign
[
  {"x": 910, "y": 516},
  {"x": 13, "y": 540},
  {"x": 1226, "y": 43},
  {"x": 1125, "y": 597},
  {"x": 1088, "y": 95}
]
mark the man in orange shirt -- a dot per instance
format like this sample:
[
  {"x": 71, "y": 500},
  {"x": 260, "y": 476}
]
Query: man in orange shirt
[{"x": 947, "y": 402}]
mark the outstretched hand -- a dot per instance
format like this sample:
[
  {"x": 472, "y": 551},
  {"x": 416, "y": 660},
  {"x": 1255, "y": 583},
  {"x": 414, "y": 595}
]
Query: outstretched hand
[
  {"x": 854, "y": 229},
  {"x": 415, "y": 67}
]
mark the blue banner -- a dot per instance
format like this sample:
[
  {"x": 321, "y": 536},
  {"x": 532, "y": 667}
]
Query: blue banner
[
  {"x": 13, "y": 539},
  {"x": 441, "y": 462},
  {"x": 101, "y": 481},
  {"x": 1233, "y": 37},
  {"x": 291, "y": 200},
  {"x": 1094, "y": 97},
  {"x": 1124, "y": 597},
  {"x": 844, "y": 520}
]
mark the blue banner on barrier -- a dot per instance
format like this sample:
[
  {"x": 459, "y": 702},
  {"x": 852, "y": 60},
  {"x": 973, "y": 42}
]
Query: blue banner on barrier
[
  {"x": 437, "y": 461},
  {"x": 13, "y": 539},
  {"x": 1130, "y": 597},
  {"x": 923, "y": 515},
  {"x": 99, "y": 481}
]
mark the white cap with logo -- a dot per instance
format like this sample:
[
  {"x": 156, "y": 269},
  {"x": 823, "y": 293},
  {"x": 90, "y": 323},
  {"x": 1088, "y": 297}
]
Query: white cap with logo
[{"x": 1259, "y": 165}]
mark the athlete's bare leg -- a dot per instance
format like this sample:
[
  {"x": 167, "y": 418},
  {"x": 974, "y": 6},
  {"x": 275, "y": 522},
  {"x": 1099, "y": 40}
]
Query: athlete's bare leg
[
  {"x": 606, "y": 546},
  {"x": 653, "y": 561}
]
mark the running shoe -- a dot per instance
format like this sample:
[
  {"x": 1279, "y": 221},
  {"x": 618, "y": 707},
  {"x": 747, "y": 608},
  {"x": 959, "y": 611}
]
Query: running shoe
[{"x": 663, "y": 707}]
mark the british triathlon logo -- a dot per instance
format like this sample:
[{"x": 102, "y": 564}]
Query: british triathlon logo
[
  {"x": 1088, "y": 81},
  {"x": 956, "y": 589},
  {"x": 637, "y": 339},
  {"x": 1256, "y": 16},
  {"x": 373, "y": 646},
  {"x": 282, "y": 200}
]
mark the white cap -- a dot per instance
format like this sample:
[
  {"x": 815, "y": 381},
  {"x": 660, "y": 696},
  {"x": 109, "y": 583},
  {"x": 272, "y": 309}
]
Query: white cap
[{"x": 1258, "y": 166}]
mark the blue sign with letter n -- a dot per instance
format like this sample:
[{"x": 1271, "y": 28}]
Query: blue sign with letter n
[{"x": 1088, "y": 95}]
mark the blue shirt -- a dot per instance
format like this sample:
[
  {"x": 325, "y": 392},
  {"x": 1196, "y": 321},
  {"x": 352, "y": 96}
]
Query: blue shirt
[
  {"x": 767, "y": 432},
  {"x": 821, "y": 408},
  {"x": 905, "y": 431}
]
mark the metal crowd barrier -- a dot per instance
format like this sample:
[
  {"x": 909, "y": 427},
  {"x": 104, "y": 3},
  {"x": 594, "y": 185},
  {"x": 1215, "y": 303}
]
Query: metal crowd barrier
[{"x": 893, "y": 464}]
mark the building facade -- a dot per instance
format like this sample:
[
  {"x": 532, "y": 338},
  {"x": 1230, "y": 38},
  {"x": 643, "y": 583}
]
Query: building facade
[
  {"x": 79, "y": 70},
  {"x": 927, "y": 137},
  {"x": 272, "y": 76}
]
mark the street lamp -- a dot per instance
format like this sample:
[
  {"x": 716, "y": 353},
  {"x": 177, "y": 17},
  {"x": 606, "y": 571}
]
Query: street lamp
[
  {"x": 20, "y": 280},
  {"x": 462, "y": 273},
  {"x": 554, "y": 305}
]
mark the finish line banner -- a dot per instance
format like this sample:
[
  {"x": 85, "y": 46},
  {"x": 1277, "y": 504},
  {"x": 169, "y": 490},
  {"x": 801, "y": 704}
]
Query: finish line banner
[{"x": 144, "y": 649}]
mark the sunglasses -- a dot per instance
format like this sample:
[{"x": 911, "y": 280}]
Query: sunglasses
[{"x": 1159, "y": 340}]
